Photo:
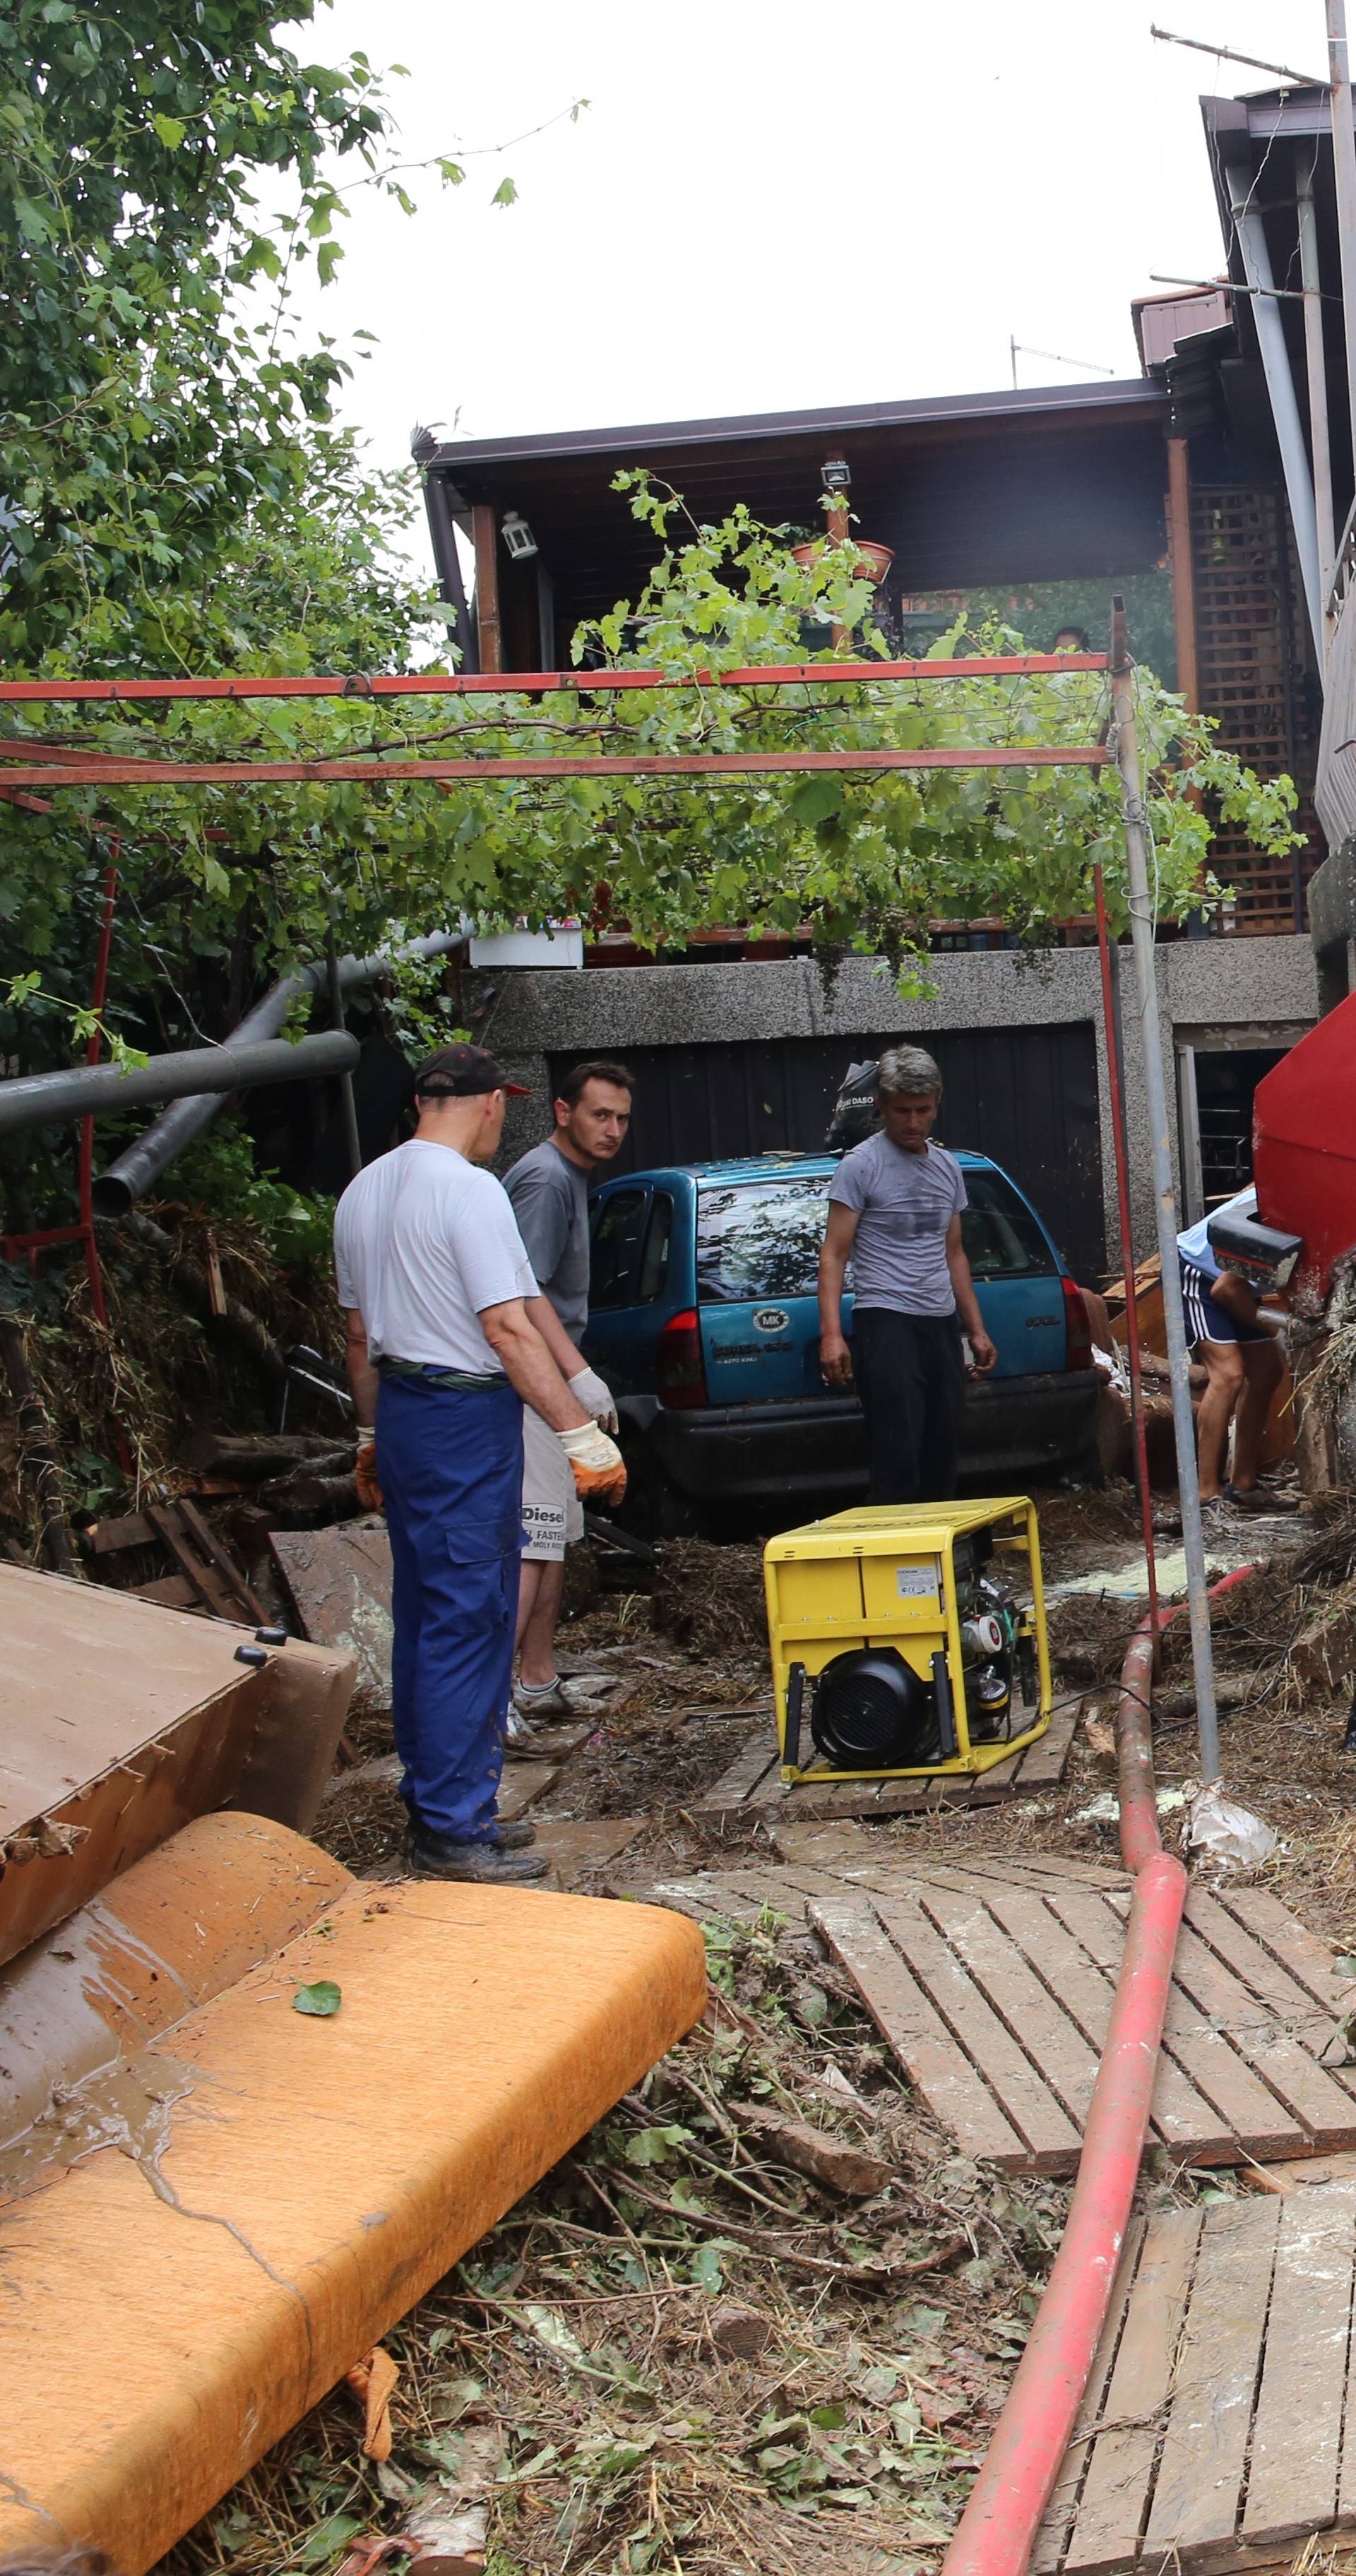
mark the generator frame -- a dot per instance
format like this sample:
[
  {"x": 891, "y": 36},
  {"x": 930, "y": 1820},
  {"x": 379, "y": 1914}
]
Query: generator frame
[{"x": 887, "y": 1536}]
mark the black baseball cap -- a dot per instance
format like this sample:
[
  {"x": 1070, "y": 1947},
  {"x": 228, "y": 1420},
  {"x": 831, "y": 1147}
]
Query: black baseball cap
[{"x": 462, "y": 1072}]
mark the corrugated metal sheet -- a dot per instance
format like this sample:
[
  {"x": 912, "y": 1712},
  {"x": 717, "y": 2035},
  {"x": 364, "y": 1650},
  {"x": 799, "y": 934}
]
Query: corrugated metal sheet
[{"x": 1026, "y": 1096}]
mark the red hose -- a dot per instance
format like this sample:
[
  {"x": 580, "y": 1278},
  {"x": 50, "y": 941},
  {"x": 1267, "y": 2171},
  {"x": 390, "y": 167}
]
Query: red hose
[{"x": 998, "y": 2529}]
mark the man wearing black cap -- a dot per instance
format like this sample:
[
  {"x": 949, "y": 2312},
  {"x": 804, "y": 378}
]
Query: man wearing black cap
[{"x": 448, "y": 1337}]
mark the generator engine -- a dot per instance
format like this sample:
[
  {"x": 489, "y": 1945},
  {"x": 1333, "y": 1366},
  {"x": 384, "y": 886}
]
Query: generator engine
[{"x": 911, "y": 1639}]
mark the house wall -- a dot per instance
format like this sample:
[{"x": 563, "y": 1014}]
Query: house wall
[{"x": 1220, "y": 984}]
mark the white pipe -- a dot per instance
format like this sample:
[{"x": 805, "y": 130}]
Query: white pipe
[{"x": 1281, "y": 388}]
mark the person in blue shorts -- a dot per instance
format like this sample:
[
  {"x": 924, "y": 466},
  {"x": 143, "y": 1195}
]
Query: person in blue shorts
[{"x": 1244, "y": 1361}]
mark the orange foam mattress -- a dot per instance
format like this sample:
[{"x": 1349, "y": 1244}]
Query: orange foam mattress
[{"x": 169, "y": 2313}]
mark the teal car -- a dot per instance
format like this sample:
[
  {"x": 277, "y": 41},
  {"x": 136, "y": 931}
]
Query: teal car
[{"x": 703, "y": 1319}]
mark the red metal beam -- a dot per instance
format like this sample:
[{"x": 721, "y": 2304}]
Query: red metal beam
[
  {"x": 98, "y": 771},
  {"x": 433, "y": 684}
]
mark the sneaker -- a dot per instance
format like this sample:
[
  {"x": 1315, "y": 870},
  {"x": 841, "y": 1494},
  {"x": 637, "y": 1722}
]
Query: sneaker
[
  {"x": 542, "y": 1699},
  {"x": 1217, "y": 1518},
  {"x": 1254, "y": 1498},
  {"x": 488, "y": 1864}
]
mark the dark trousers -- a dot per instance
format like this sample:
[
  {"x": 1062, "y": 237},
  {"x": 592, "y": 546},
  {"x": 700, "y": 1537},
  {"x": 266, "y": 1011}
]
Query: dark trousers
[
  {"x": 910, "y": 1374},
  {"x": 451, "y": 1467}
]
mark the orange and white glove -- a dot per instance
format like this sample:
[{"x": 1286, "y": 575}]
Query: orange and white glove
[
  {"x": 597, "y": 1464},
  {"x": 365, "y": 1477}
]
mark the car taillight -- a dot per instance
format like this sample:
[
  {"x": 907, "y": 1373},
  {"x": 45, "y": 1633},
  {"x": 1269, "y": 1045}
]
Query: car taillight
[
  {"x": 679, "y": 1372},
  {"x": 1077, "y": 1329}
]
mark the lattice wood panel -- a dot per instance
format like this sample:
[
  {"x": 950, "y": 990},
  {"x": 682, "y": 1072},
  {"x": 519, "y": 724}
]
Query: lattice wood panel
[
  {"x": 1251, "y": 658},
  {"x": 994, "y": 1989},
  {"x": 1218, "y": 2428},
  {"x": 753, "y": 1785}
]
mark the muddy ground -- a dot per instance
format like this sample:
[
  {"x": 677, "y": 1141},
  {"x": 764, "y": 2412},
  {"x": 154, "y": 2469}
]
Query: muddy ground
[{"x": 679, "y": 2353}]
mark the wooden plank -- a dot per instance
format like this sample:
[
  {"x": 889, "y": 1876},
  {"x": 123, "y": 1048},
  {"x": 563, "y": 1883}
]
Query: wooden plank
[
  {"x": 1323, "y": 2111},
  {"x": 520, "y": 1784},
  {"x": 1119, "y": 2461},
  {"x": 1183, "y": 2117},
  {"x": 339, "y": 1581},
  {"x": 1027, "y": 2100},
  {"x": 173, "y": 1592},
  {"x": 1057, "y": 2520},
  {"x": 130, "y": 1529},
  {"x": 205, "y": 1538},
  {"x": 1205, "y": 2441},
  {"x": 1309, "y": 1960},
  {"x": 1216, "y": 1918},
  {"x": 735, "y": 1787},
  {"x": 1027, "y": 2008},
  {"x": 1042, "y": 1764},
  {"x": 573, "y": 1848},
  {"x": 1297, "y": 2431},
  {"x": 906, "y": 2017}
]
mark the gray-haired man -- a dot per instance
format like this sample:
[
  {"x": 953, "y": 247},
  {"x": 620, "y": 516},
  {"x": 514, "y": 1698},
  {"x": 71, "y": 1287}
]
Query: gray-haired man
[{"x": 894, "y": 1210}]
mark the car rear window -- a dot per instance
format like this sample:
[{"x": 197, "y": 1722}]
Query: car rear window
[
  {"x": 1001, "y": 1237},
  {"x": 760, "y": 1238}
]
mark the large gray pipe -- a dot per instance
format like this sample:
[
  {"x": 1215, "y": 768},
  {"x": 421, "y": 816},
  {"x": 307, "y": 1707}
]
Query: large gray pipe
[
  {"x": 1266, "y": 314},
  {"x": 93, "y": 1090},
  {"x": 131, "y": 1175}
]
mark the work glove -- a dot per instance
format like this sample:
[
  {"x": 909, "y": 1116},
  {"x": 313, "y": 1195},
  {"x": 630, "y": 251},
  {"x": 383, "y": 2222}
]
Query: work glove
[
  {"x": 596, "y": 1462},
  {"x": 588, "y": 1389},
  {"x": 365, "y": 1477}
]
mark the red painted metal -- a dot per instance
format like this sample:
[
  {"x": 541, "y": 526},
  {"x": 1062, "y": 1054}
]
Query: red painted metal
[
  {"x": 378, "y": 772},
  {"x": 1304, "y": 1146},
  {"x": 1113, "y": 1070},
  {"x": 497, "y": 684},
  {"x": 998, "y": 2528}
]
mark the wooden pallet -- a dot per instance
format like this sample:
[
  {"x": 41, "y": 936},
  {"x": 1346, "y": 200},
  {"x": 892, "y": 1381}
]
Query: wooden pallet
[
  {"x": 1219, "y": 2426},
  {"x": 753, "y": 1785},
  {"x": 995, "y": 1991}
]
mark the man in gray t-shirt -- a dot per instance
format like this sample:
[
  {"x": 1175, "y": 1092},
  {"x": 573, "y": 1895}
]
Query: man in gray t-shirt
[
  {"x": 895, "y": 1209},
  {"x": 549, "y": 1190}
]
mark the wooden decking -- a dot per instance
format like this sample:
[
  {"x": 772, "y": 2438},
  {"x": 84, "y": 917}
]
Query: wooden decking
[
  {"x": 1218, "y": 2428},
  {"x": 754, "y": 1786},
  {"x": 992, "y": 1981}
]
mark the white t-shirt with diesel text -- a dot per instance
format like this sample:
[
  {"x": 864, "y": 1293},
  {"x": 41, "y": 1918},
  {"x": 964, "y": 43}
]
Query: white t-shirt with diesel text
[{"x": 423, "y": 1242}]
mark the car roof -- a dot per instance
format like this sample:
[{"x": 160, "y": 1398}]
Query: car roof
[{"x": 779, "y": 1166}]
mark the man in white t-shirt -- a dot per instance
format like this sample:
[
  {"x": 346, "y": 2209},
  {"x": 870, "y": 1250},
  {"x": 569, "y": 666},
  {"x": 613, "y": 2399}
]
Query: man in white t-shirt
[{"x": 448, "y": 1337}]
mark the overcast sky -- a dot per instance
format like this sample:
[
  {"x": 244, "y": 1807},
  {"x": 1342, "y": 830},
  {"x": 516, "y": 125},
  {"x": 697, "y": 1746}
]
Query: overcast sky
[{"x": 769, "y": 204}]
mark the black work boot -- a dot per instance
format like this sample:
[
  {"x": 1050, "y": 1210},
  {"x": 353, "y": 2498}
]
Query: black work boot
[{"x": 489, "y": 1864}]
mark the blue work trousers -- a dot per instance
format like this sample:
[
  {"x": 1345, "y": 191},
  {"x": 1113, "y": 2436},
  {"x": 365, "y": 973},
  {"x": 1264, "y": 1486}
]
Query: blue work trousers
[{"x": 451, "y": 1467}]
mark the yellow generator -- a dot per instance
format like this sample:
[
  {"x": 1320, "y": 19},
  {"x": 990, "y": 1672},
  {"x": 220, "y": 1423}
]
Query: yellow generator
[{"x": 908, "y": 1638}]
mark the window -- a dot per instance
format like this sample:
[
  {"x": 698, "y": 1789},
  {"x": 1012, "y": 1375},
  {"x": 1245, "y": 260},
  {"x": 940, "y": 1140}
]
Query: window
[
  {"x": 1001, "y": 1237},
  {"x": 760, "y": 1238},
  {"x": 630, "y": 1233},
  {"x": 616, "y": 1235}
]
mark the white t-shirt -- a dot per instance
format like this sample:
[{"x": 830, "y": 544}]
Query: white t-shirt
[{"x": 423, "y": 1242}]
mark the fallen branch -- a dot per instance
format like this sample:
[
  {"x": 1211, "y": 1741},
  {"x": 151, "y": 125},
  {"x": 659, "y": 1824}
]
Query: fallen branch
[
  {"x": 239, "y": 1321},
  {"x": 864, "y": 2274}
]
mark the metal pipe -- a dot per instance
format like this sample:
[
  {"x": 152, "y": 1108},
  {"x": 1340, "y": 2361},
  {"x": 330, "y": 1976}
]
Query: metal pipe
[
  {"x": 96, "y": 1090},
  {"x": 1114, "y": 1086},
  {"x": 125, "y": 1180},
  {"x": 1142, "y": 934},
  {"x": 1344, "y": 180},
  {"x": 1317, "y": 377},
  {"x": 1252, "y": 243},
  {"x": 347, "y": 1103}
]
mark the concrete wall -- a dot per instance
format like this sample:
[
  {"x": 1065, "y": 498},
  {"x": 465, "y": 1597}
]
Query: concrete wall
[{"x": 1243, "y": 983}]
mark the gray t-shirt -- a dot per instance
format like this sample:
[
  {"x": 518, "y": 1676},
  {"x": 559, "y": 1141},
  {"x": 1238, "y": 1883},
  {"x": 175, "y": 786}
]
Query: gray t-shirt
[
  {"x": 905, "y": 1203},
  {"x": 550, "y": 1198}
]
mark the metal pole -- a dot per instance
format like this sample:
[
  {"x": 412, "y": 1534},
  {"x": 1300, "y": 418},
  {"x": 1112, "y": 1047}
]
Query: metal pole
[
  {"x": 1344, "y": 176},
  {"x": 1115, "y": 1087},
  {"x": 1252, "y": 243},
  {"x": 1142, "y": 935},
  {"x": 1317, "y": 373},
  {"x": 347, "y": 1103}
]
